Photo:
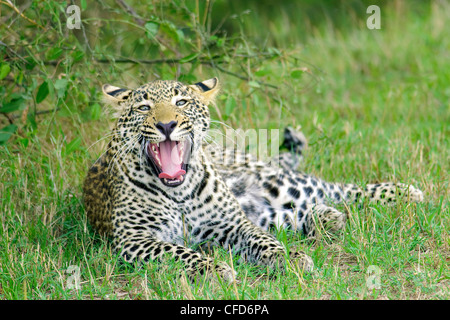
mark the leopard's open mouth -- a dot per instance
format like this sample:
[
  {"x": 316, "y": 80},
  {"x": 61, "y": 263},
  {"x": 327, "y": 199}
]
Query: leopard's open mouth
[{"x": 170, "y": 160}]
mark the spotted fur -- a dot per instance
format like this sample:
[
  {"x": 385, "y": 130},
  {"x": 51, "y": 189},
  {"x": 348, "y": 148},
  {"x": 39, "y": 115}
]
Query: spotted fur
[
  {"x": 276, "y": 195},
  {"x": 203, "y": 202}
]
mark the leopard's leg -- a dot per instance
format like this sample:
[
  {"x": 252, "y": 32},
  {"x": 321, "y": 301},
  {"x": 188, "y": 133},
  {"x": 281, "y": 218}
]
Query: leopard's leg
[
  {"x": 263, "y": 249},
  {"x": 145, "y": 247},
  {"x": 290, "y": 200},
  {"x": 295, "y": 142}
]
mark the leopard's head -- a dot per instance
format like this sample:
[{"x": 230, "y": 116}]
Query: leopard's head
[{"x": 164, "y": 122}]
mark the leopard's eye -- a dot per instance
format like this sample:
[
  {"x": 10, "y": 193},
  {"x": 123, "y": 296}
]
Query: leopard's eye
[
  {"x": 144, "y": 107},
  {"x": 181, "y": 103}
]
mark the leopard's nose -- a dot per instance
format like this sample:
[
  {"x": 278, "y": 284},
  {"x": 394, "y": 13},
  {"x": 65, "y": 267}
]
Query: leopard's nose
[{"x": 166, "y": 128}]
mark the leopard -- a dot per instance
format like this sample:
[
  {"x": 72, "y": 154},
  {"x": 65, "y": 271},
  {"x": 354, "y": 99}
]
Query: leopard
[{"x": 158, "y": 194}]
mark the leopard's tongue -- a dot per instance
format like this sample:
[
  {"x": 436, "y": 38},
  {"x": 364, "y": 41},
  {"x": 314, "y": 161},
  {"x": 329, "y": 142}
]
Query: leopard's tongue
[{"x": 170, "y": 160}]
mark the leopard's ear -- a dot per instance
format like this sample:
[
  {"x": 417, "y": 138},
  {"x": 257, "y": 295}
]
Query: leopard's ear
[
  {"x": 207, "y": 89},
  {"x": 115, "y": 96}
]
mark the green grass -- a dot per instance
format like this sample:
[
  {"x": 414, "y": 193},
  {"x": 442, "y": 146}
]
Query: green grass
[{"x": 374, "y": 105}]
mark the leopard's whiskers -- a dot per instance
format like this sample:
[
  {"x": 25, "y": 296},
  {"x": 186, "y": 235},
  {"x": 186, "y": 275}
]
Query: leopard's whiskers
[
  {"x": 111, "y": 145},
  {"x": 101, "y": 139},
  {"x": 123, "y": 150}
]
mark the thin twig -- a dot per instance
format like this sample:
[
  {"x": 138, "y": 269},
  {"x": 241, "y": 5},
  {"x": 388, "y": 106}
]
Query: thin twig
[
  {"x": 86, "y": 40},
  {"x": 12, "y": 51},
  {"x": 12, "y": 6},
  {"x": 244, "y": 77},
  {"x": 139, "y": 61},
  {"x": 40, "y": 112},
  {"x": 202, "y": 61},
  {"x": 209, "y": 62},
  {"x": 131, "y": 11},
  {"x": 9, "y": 117}
]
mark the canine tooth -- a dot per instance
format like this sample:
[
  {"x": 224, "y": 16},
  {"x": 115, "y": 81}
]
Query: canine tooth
[{"x": 181, "y": 149}]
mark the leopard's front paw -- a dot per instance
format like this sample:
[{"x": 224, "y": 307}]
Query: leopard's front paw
[
  {"x": 225, "y": 272},
  {"x": 211, "y": 270},
  {"x": 301, "y": 261},
  {"x": 298, "y": 260}
]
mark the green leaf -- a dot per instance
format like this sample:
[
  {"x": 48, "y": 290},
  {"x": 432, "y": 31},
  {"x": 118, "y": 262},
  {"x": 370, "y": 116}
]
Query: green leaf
[
  {"x": 24, "y": 142},
  {"x": 4, "y": 70},
  {"x": 77, "y": 55},
  {"x": 54, "y": 53},
  {"x": 172, "y": 32},
  {"x": 61, "y": 87},
  {"x": 189, "y": 58},
  {"x": 19, "y": 77},
  {"x": 244, "y": 105},
  {"x": 13, "y": 105},
  {"x": 220, "y": 42},
  {"x": 42, "y": 92},
  {"x": 262, "y": 72},
  {"x": 230, "y": 105},
  {"x": 96, "y": 111},
  {"x": 73, "y": 145},
  {"x": 31, "y": 120},
  {"x": 274, "y": 51},
  {"x": 296, "y": 74},
  {"x": 7, "y": 132},
  {"x": 254, "y": 84},
  {"x": 83, "y": 4},
  {"x": 31, "y": 63},
  {"x": 152, "y": 29},
  {"x": 180, "y": 34}
]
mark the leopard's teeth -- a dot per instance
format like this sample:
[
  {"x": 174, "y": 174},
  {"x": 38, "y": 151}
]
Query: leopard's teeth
[
  {"x": 172, "y": 181},
  {"x": 181, "y": 149}
]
